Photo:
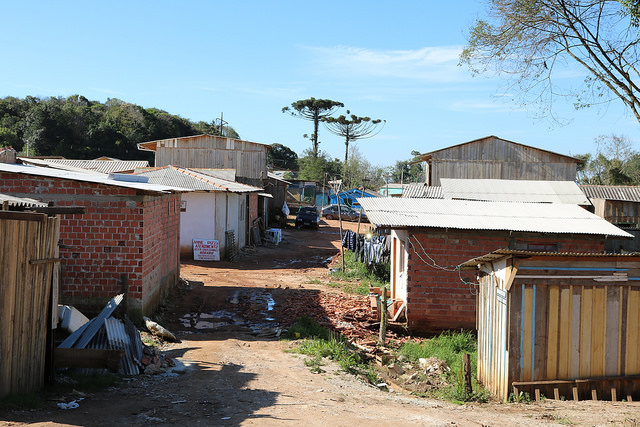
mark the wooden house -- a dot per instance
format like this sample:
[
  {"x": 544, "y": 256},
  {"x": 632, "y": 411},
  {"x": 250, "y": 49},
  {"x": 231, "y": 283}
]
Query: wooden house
[
  {"x": 496, "y": 158},
  {"x": 562, "y": 325},
  {"x": 431, "y": 237},
  {"x": 249, "y": 159},
  {"x": 7, "y": 155},
  {"x": 620, "y": 205}
]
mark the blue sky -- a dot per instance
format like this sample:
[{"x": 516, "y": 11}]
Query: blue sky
[{"x": 248, "y": 59}]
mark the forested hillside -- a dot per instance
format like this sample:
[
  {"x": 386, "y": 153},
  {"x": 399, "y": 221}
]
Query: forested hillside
[{"x": 77, "y": 128}]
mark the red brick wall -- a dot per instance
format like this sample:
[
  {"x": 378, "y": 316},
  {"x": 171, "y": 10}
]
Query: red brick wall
[
  {"x": 110, "y": 240},
  {"x": 438, "y": 299}
]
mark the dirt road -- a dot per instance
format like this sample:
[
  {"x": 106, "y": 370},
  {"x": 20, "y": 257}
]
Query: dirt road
[{"x": 234, "y": 371}]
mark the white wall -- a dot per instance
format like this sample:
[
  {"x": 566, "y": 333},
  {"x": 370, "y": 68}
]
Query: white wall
[
  {"x": 197, "y": 222},
  {"x": 398, "y": 271}
]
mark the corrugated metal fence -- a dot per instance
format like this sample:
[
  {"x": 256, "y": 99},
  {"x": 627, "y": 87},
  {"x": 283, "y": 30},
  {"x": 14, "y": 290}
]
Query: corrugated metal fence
[{"x": 28, "y": 272}]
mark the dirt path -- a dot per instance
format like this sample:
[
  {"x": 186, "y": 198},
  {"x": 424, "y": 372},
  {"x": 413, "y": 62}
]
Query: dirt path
[{"x": 236, "y": 373}]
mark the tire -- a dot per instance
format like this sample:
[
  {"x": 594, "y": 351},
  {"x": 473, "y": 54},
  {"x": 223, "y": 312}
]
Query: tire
[{"x": 329, "y": 216}]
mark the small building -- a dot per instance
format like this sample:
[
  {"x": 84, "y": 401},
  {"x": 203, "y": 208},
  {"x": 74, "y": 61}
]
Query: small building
[
  {"x": 496, "y": 158},
  {"x": 431, "y": 237},
  {"x": 7, "y": 155},
  {"x": 393, "y": 189},
  {"x": 558, "y": 324},
  {"x": 215, "y": 209},
  {"x": 126, "y": 241},
  {"x": 249, "y": 159}
]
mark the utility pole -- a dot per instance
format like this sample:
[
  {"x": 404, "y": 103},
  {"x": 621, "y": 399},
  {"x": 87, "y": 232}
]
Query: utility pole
[
  {"x": 221, "y": 123},
  {"x": 335, "y": 186}
]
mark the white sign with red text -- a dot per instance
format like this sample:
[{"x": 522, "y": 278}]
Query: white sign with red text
[{"x": 206, "y": 250}]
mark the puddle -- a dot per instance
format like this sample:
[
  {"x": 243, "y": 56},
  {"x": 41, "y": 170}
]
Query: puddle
[{"x": 260, "y": 301}]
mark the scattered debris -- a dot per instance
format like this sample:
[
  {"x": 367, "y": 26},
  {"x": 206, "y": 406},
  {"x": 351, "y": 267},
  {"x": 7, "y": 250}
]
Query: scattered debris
[
  {"x": 159, "y": 330},
  {"x": 71, "y": 405}
]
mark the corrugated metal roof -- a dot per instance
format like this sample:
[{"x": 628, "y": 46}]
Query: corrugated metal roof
[
  {"x": 627, "y": 193},
  {"x": 277, "y": 177},
  {"x": 101, "y": 166},
  {"x": 186, "y": 178},
  {"x": 20, "y": 201},
  {"x": 507, "y": 190},
  {"x": 422, "y": 191},
  {"x": 228, "y": 174},
  {"x": 86, "y": 177},
  {"x": 476, "y": 215},
  {"x": 501, "y": 253}
]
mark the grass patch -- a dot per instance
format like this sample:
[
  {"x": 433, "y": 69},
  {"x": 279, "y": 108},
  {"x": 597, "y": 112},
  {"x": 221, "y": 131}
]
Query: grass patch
[
  {"x": 21, "y": 401},
  {"x": 375, "y": 275},
  {"x": 449, "y": 347},
  {"x": 319, "y": 343}
]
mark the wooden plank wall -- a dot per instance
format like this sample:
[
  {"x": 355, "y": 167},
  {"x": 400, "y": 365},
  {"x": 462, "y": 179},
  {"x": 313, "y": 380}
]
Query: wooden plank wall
[
  {"x": 492, "y": 336},
  {"x": 249, "y": 159},
  {"x": 25, "y": 291},
  {"x": 560, "y": 329}
]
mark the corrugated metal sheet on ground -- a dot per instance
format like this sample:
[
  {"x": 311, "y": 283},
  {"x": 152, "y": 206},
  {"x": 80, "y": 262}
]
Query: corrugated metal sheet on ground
[
  {"x": 20, "y": 201},
  {"x": 507, "y": 190},
  {"x": 119, "y": 340},
  {"x": 476, "y": 215},
  {"x": 628, "y": 193},
  {"x": 98, "y": 322},
  {"x": 422, "y": 191},
  {"x": 187, "y": 178},
  {"x": 86, "y": 177}
]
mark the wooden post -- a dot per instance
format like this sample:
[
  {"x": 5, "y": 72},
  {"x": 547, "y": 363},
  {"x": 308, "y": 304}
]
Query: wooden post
[
  {"x": 382, "y": 339},
  {"x": 466, "y": 370}
]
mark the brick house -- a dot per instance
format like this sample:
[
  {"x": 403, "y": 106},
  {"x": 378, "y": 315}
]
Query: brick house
[
  {"x": 127, "y": 239},
  {"x": 431, "y": 237}
]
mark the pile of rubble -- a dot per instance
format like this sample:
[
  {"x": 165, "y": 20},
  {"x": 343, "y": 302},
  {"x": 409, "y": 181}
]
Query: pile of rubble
[
  {"x": 106, "y": 342},
  {"x": 351, "y": 315}
]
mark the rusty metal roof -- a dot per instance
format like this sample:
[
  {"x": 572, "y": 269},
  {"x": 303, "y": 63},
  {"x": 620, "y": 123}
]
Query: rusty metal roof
[
  {"x": 502, "y": 253},
  {"x": 187, "y": 178},
  {"x": 627, "y": 193},
  {"x": 477, "y": 215},
  {"x": 422, "y": 191},
  {"x": 508, "y": 190}
]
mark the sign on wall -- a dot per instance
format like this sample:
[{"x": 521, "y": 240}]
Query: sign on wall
[{"x": 206, "y": 250}]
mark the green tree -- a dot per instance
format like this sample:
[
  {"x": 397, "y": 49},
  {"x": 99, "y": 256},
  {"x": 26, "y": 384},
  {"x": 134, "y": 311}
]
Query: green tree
[
  {"x": 314, "y": 110},
  {"x": 353, "y": 128},
  {"x": 282, "y": 157},
  {"x": 360, "y": 173},
  {"x": 527, "y": 40},
  {"x": 615, "y": 163},
  {"x": 408, "y": 170},
  {"x": 317, "y": 168}
]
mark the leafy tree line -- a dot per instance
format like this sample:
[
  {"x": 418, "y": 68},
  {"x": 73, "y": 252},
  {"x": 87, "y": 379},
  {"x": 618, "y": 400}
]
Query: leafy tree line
[
  {"x": 75, "y": 127},
  {"x": 614, "y": 163}
]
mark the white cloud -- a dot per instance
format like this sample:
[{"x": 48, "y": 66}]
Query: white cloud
[{"x": 430, "y": 64}]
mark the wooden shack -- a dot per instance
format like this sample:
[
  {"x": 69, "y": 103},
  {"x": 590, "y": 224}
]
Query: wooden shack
[
  {"x": 28, "y": 290},
  {"x": 559, "y": 324},
  {"x": 249, "y": 159},
  {"x": 496, "y": 158}
]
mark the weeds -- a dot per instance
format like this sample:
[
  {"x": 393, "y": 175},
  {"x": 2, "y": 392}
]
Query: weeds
[
  {"x": 375, "y": 275},
  {"x": 320, "y": 343},
  {"x": 522, "y": 397},
  {"x": 449, "y": 347}
]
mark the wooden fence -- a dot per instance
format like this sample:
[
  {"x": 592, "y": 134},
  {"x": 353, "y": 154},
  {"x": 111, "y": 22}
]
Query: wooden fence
[{"x": 28, "y": 290}]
